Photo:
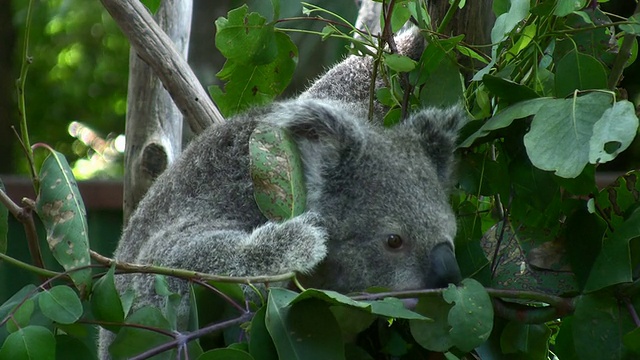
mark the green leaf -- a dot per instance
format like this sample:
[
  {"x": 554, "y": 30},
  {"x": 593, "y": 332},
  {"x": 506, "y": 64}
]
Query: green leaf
[
  {"x": 392, "y": 117},
  {"x": 506, "y": 22},
  {"x": 504, "y": 118},
  {"x": 305, "y": 330},
  {"x": 433, "y": 335},
  {"x": 394, "y": 308},
  {"x": 399, "y": 63},
  {"x": 560, "y": 133},
  {"x": 566, "y": 7},
  {"x": 258, "y": 84},
  {"x": 225, "y": 354},
  {"x": 598, "y": 327},
  {"x": 172, "y": 301},
  {"x": 132, "y": 341},
  {"x": 632, "y": 340},
  {"x": 261, "y": 345},
  {"x": 4, "y": 224},
  {"x": 430, "y": 60},
  {"x": 633, "y": 28},
  {"x": 577, "y": 71},
  {"x": 152, "y": 5},
  {"x": 16, "y": 299},
  {"x": 508, "y": 90},
  {"x": 531, "y": 340},
  {"x": 613, "y": 264},
  {"x": 69, "y": 347},
  {"x": 60, "y": 207},
  {"x": 277, "y": 173},
  {"x": 445, "y": 86},
  {"x": 331, "y": 297},
  {"x": 105, "y": 301},
  {"x": 21, "y": 316},
  {"x": 31, "y": 342},
  {"x": 471, "y": 318},
  {"x": 613, "y": 132},
  {"x": 564, "y": 346},
  {"x": 399, "y": 16},
  {"x": 60, "y": 304},
  {"x": 246, "y": 38}
]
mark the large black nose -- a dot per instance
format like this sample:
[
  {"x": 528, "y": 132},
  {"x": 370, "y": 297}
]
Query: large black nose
[{"x": 443, "y": 267}]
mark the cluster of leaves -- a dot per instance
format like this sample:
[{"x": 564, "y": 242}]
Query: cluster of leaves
[{"x": 556, "y": 254}]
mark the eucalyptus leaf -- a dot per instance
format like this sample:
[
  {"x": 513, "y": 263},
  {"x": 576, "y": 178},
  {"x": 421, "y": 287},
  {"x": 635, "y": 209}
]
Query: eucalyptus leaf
[
  {"x": 618, "y": 126},
  {"x": 604, "y": 340},
  {"x": 305, "y": 330},
  {"x": 399, "y": 63},
  {"x": 433, "y": 335},
  {"x": 246, "y": 37},
  {"x": 561, "y": 131},
  {"x": 60, "y": 304},
  {"x": 132, "y": 341},
  {"x": 105, "y": 301},
  {"x": 61, "y": 209},
  {"x": 612, "y": 266},
  {"x": 504, "y": 118},
  {"x": 634, "y": 27},
  {"x": 250, "y": 85},
  {"x": 277, "y": 173},
  {"x": 471, "y": 317},
  {"x": 32, "y": 342},
  {"x": 21, "y": 315},
  {"x": 577, "y": 71}
]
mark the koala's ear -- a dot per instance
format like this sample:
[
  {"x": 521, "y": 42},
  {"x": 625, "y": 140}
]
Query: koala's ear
[
  {"x": 324, "y": 134},
  {"x": 438, "y": 130}
]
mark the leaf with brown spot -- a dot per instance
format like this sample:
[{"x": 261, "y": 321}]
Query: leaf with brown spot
[
  {"x": 276, "y": 170},
  {"x": 60, "y": 207}
]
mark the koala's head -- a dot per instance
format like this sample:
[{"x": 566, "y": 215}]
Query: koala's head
[{"x": 381, "y": 193}]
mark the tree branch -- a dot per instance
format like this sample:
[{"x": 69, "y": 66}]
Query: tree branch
[{"x": 157, "y": 50}]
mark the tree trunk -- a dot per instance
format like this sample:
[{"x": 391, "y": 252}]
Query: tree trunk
[{"x": 154, "y": 123}]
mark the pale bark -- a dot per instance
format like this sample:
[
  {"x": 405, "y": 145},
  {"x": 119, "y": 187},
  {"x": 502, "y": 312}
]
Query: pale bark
[
  {"x": 155, "y": 48},
  {"x": 154, "y": 123}
]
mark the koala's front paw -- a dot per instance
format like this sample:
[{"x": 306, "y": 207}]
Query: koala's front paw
[{"x": 297, "y": 245}]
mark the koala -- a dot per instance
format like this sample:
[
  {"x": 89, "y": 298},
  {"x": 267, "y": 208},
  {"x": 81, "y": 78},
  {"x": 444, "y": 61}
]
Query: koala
[{"x": 377, "y": 211}]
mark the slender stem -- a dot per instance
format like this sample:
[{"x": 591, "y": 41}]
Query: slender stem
[
  {"x": 25, "y": 216},
  {"x": 181, "y": 340},
  {"x": 623, "y": 56},
  {"x": 34, "y": 269},
  {"x": 186, "y": 274},
  {"x": 632, "y": 311},
  {"x": 22, "y": 109},
  {"x": 448, "y": 16}
]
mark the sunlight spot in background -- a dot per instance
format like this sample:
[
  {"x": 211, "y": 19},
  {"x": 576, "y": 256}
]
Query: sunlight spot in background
[{"x": 100, "y": 157}]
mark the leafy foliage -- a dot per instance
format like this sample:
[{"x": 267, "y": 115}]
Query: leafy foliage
[{"x": 551, "y": 261}]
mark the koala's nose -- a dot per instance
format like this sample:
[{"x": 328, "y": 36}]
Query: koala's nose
[{"x": 443, "y": 267}]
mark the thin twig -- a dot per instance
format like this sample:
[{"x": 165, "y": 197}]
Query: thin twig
[
  {"x": 180, "y": 339},
  {"x": 623, "y": 56},
  {"x": 25, "y": 216},
  {"x": 186, "y": 274}
]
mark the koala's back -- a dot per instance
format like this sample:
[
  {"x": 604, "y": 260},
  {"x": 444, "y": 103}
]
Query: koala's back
[{"x": 209, "y": 182}]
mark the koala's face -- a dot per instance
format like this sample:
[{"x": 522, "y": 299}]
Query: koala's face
[
  {"x": 384, "y": 202},
  {"x": 381, "y": 194},
  {"x": 389, "y": 220}
]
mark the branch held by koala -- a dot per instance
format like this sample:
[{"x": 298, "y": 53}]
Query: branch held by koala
[{"x": 188, "y": 274}]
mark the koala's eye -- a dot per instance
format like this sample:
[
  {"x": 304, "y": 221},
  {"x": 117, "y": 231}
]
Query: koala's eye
[{"x": 394, "y": 241}]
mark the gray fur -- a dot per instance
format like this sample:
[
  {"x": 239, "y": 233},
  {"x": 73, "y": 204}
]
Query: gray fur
[{"x": 364, "y": 182}]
